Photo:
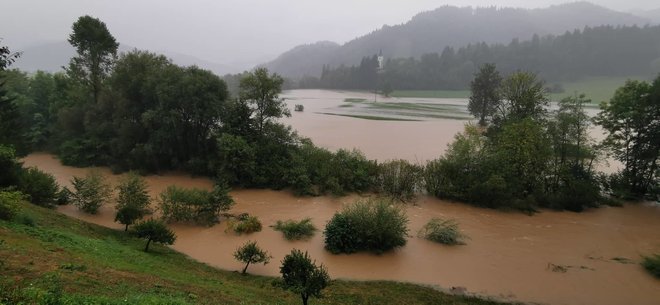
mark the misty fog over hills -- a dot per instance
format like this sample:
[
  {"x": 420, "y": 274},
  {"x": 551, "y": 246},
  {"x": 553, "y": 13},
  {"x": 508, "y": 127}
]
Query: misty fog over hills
[{"x": 451, "y": 26}]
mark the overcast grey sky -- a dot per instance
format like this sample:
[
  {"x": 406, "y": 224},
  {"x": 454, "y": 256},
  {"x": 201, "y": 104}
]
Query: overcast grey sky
[{"x": 232, "y": 31}]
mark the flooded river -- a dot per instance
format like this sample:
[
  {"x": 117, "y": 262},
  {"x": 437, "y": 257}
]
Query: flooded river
[{"x": 509, "y": 255}]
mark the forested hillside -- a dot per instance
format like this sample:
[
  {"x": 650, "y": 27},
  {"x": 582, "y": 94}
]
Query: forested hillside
[
  {"x": 450, "y": 26},
  {"x": 600, "y": 51}
]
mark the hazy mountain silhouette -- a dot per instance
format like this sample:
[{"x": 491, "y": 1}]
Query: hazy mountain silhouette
[{"x": 449, "y": 26}]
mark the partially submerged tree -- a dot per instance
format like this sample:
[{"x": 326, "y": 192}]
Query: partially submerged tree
[
  {"x": 132, "y": 201},
  {"x": 153, "y": 231},
  {"x": 485, "y": 95},
  {"x": 250, "y": 253},
  {"x": 301, "y": 276},
  {"x": 631, "y": 121},
  {"x": 91, "y": 192}
]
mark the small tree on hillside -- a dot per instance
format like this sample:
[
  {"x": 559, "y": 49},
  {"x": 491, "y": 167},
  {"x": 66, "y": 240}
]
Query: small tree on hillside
[
  {"x": 250, "y": 253},
  {"x": 90, "y": 192},
  {"x": 154, "y": 231},
  {"x": 133, "y": 200},
  {"x": 301, "y": 276}
]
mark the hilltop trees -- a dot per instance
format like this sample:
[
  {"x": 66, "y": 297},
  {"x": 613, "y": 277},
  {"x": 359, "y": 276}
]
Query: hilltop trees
[
  {"x": 631, "y": 120},
  {"x": 97, "y": 50},
  {"x": 10, "y": 124}
]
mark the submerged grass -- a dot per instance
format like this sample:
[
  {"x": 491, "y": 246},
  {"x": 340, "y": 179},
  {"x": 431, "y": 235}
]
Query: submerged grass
[
  {"x": 370, "y": 117},
  {"x": 652, "y": 265},
  {"x": 444, "y": 231},
  {"x": 63, "y": 260},
  {"x": 432, "y": 93}
]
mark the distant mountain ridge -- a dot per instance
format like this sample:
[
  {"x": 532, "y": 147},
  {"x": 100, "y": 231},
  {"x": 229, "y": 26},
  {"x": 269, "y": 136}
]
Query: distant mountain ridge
[
  {"x": 51, "y": 56},
  {"x": 449, "y": 26}
]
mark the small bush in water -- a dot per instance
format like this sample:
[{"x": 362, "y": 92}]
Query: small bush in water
[
  {"x": 372, "y": 225},
  {"x": 296, "y": 230},
  {"x": 244, "y": 223},
  {"x": 399, "y": 179},
  {"x": 90, "y": 192},
  {"x": 652, "y": 264},
  {"x": 442, "y": 231}
]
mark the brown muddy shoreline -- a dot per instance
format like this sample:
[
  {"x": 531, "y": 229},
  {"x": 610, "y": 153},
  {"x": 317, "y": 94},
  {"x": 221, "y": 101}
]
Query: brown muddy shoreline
[{"x": 509, "y": 255}]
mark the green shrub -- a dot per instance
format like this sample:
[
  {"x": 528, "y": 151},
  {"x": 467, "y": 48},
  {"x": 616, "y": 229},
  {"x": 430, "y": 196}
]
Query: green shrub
[
  {"x": 302, "y": 276},
  {"x": 10, "y": 203},
  {"x": 250, "y": 253},
  {"x": 296, "y": 230},
  {"x": 244, "y": 224},
  {"x": 399, "y": 179},
  {"x": 39, "y": 186},
  {"x": 153, "y": 230},
  {"x": 652, "y": 264},
  {"x": 10, "y": 168},
  {"x": 195, "y": 205},
  {"x": 63, "y": 196},
  {"x": 90, "y": 192},
  {"x": 442, "y": 231},
  {"x": 372, "y": 225},
  {"x": 133, "y": 200}
]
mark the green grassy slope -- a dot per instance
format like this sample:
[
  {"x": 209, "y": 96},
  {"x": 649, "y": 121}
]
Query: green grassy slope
[{"x": 46, "y": 256}]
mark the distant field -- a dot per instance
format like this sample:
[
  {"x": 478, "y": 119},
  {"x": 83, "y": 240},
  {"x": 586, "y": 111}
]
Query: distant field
[
  {"x": 597, "y": 89},
  {"x": 432, "y": 93}
]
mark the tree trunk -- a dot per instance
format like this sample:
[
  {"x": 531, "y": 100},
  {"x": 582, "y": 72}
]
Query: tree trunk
[
  {"x": 246, "y": 266},
  {"x": 146, "y": 248},
  {"x": 304, "y": 298},
  {"x": 126, "y": 228}
]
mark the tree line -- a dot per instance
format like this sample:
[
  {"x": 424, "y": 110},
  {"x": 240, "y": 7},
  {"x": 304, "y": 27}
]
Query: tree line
[
  {"x": 140, "y": 112},
  {"x": 593, "y": 51}
]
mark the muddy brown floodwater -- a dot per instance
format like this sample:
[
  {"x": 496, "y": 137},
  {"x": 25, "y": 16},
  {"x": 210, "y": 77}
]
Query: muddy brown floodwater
[{"x": 509, "y": 255}]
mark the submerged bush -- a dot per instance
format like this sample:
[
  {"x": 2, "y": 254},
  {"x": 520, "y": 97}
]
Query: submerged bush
[
  {"x": 442, "y": 231},
  {"x": 296, "y": 230},
  {"x": 244, "y": 223},
  {"x": 90, "y": 192},
  {"x": 399, "y": 179},
  {"x": 39, "y": 186},
  {"x": 372, "y": 225},
  {"x": 195, "y": 205},
  {"x": 652, "y": 264}
]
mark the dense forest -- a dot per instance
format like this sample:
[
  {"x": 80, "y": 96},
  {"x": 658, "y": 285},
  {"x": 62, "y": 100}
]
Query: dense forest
[
  {"x": 598, "y": 51},
  {"x": 449, "y": 26}
]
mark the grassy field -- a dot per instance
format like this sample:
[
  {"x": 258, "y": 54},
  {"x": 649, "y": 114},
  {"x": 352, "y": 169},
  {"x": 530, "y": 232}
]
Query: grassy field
[
  {"x": 49, "y": 258},
  {"x": 597, "y": 89}
]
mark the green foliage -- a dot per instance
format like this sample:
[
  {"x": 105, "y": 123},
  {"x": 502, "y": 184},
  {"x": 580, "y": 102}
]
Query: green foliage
[
  {"x": 372, "y": 225},
  {"x": 296, "y": 230},
  {"x": 399, "y": 179},
  {"x": 63, "y": 196},
  {"x": 10, "y": 169},
  {"x": 250, "y": 253},
  {"x": 90, "y": 192},
  {"x": 236, "y": 160},
  {"x": 96, "y": 50},
  {"x": 523, "y": 97},
  {"x": 153, "y": 230},
  {"x": 133, "y": 200},
  {"x": 261, "y": 91},
  {"x": 244, "y": 224},
  {"x": 39, "y": 186},
  {"x": 317, "y": 171},
  {"x": 630, "y": 120},
  {"x": 195, "y": 205},
  {"x": 10, "y": 204},
  {"x": 444, "y": 231},
  {"x": 652, "y": 264},
  {"x": 485, "y": 96},
  {"x": 302, "y": 277}
]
